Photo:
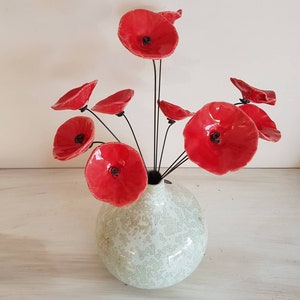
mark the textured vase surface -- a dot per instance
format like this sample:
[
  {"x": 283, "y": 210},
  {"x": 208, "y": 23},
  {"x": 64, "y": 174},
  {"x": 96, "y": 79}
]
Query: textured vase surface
[{"x": 156, "y": 242}]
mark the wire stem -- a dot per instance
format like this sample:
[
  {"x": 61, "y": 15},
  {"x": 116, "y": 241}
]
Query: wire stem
[
  {"x": 158, "y": 110},
  {"x": 135, "y": 139},
  {"x": 242, "y": 101},
  {"x": 102, "y": 123},
  {"x": 163, "y": 146},
  {"x": 154, "y": 117},
  {"x": 175, "y": 161},
  {"x": 179, "y": 163},
  {"x": 96, "y": 142}
]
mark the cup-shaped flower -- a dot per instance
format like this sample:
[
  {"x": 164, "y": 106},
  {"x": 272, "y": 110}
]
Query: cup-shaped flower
[
  {"x": 75, "y": 98},
  {"x": 147, "y": 34},
  {"x": 220, "y": 138},
  {"x": 73, "y": 137},
  {"x": 115, "y": 173},
  {"x": 114, "y": 104},
  {"x": 252, "y": 94},
  {"x": 173, "y": 112},
  {"x": 266, "y": 127},
  {"x": 172, "y": 16}
]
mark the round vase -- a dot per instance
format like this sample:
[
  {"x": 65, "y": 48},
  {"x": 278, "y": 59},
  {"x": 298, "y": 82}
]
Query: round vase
[{"x": 155, "y": 242}]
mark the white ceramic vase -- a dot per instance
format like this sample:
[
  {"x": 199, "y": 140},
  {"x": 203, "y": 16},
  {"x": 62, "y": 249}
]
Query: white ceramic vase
[{"x": 155, "y": 242}]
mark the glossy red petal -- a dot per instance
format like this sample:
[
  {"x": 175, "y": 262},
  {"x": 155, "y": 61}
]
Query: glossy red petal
[
  {"x": 73, "y": 138},
  {"x": 75, "y": 98},
  {"x": 266, "y": 127},
  {"x": 115, "y": 103},
  {"x": 253, "y": 94},
  {"x": 115, "y": 173},
  {"x": 173, "y": 112},
  {"x": 147, "y": 34},
  {"x": 220, "y": 138},
  {"x": 171, "y": 16}
]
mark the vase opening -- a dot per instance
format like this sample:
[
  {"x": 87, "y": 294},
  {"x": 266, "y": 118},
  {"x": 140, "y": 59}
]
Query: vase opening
[{"x": 154, "y": 177}]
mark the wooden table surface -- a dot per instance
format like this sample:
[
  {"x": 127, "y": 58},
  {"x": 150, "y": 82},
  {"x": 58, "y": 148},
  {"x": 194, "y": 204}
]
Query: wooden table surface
[{"x": 47, "y": 245}]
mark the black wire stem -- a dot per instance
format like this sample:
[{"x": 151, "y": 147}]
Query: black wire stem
[
  {"x": 134, "y": 136},
  {"x": 96, "y": 142},
  {"x": 183, "y": 160},
  {"x": 175, "y": 161},
  {"x": 163, "y": 146},
  {"x": 86, "y": 108},
  {"x": 154, "y": 116},
  {"x": 158, "y": 110}
]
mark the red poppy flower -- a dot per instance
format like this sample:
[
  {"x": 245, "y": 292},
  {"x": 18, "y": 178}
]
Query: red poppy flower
[
  {"x": 73, "y": 138},
  {"x": 75, "y": 98},
  {"x": 253, "y": 94},
  {"x": 147, "y": 34},
  {"x": 115, "y": 173},
  {"x": 173, "y": 112},
  {"x": 172, "y": 16},
  {"x": 115, "y": 103},
  {"x": 220, "y": 138},
  {"x": 266, "y": 127}
]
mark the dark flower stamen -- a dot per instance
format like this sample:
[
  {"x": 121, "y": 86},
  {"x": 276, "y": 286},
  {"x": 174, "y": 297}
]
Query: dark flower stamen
[
  {"x": 79, "y": 138},
  {"x": 114, "y": 171},
  {"x": 146, "y": 40},
  {"x": 215, "y": 137}
]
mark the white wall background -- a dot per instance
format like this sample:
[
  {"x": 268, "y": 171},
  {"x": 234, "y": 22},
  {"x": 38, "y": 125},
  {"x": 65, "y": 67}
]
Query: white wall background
[{"x": 49, "y": 47}]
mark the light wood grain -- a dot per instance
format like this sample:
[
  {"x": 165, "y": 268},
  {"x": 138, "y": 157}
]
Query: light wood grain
[{"x": 47, "y": 246}]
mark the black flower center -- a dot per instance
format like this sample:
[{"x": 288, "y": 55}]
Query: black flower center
[
  {"x": 146, "y": 40},
  {"x": 79, "y": 138},
  {"x": 114, "y": 171},
  {"x": 215, "y": 137}
]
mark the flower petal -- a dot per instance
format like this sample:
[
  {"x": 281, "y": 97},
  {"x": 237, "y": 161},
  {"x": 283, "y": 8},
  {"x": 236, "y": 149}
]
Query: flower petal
[
  {"x": 266, "y": 127},
  {"x": 147, "y": 34},
  {"x": 173, "y": 112},
  {"x": 114, "y": 104},
  {"x": 220, "y": 138},
  {"x": 73, "y": 138},
  {"x": 172, "y": 16},
  {"x": 115, "y": 173},
  {"x": 75, "y": 98},
  {"x": 253, "y": 94}
]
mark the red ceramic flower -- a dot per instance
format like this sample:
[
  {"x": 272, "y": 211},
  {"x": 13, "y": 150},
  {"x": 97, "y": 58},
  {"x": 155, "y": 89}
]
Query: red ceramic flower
[
  {"x": 115, "y": 173},
  {"x": 73, "y": 138},
  {"x": 75, "y": 98},
  {"x": 147, "y": 34},
  {"x": 220, "y": 138},
  {"x": 253, "y": 94},
  {"x": 115, "y": 103},
  {"x": 172, "y": 16},
  {"x": 266, "y": 127},
  {"x": 173, "y": 112}
]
